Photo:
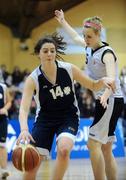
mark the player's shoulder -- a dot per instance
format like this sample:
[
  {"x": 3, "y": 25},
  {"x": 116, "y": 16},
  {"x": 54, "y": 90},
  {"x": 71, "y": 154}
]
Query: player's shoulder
[
  {"x": 3, "y": 85},
  {"x": 106, "y": 46},
  {"x": 63, "y": 64},
  {"x": 36, "y": 71}
]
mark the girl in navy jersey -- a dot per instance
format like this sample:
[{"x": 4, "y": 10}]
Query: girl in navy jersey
[
  {"x": 5, "y": 104},
  {"x": 100, "y": 61},
  {"x": 52, "y": 84}
]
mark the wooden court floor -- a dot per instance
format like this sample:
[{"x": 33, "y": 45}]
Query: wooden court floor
[{"x": 79, "y": 169}]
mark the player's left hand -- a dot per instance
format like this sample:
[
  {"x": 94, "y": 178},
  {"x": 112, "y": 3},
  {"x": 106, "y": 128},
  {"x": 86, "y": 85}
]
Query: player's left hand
[
  {"x": 3, "y": 111},
  {"x": 109, "y": 83},
  {"x": 103, "y": 101}
]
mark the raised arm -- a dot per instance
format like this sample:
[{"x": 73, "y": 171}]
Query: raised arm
[
  {"x": 24, "y": 110},
  {"x": 91, "y": 84},
  {"x": 59, "y": 15}
]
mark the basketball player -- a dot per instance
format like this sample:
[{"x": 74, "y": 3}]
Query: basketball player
[
  {"x": 5, "y": 104},
  {"x": 57, "y": 111},
  {"x": 100, "y": 61}
]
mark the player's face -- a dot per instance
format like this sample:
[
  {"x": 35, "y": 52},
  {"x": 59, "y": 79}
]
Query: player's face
[
  {"x": 91, "y": 38},
  {"x": 48, "y": 52}
]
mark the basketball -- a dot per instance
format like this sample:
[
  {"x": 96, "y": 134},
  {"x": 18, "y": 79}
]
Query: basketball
[{"x": 25, "y": 157}]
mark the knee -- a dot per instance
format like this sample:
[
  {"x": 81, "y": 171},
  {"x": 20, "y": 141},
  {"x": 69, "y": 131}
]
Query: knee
[
  {"x": 63, "y": 152},
  {"x": 106, "y": 150},
  {"x": 90, "y": 145},
  {"x": 93, "y": 145}
]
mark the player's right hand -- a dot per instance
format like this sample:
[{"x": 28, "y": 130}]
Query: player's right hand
[
  {"x": 24, "y": 137},
  {"x": 59, "y": 15}
]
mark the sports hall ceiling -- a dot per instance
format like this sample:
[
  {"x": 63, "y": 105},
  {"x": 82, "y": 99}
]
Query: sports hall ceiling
[{"x": 24, "y": 15}]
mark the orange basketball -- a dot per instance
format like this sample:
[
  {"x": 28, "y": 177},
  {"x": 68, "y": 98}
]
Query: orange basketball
[{"x": 25, "y": 157}]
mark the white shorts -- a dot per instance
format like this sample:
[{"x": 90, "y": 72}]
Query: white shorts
[{"x": 105, "y": 120}]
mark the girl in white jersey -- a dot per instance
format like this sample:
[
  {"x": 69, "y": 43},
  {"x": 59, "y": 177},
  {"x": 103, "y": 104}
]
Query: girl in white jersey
[
  {"x": 100, "y": 61},
  {"x": 52, "y": 84}
]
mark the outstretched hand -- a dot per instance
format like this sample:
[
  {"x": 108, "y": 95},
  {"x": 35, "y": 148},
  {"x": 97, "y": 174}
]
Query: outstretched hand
[
  {"x": 109, "y": 83},
  {"x": 59, "y": 15},
  {"x": 103, "y": 101}
]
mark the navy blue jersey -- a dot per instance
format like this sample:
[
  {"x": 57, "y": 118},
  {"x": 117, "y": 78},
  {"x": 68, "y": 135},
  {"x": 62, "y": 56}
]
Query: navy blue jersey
[
  {"x": 3, "y": 118},
  {"x": 2, "y": 95},
  {"x": 55, "y": 101}
]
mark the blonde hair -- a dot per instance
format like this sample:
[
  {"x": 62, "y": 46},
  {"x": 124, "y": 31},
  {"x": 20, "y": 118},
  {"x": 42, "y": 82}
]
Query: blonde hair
[{"x": 93, "y": 22}]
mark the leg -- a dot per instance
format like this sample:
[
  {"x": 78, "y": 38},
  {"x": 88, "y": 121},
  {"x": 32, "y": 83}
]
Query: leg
[
  {"x": 3, "y": 157},
  {"x": 97, "y": 159},
  {"x": 32, "y": 174},
  {"x": 64, "y": 147},
  {"x": 3, "y": 162},
  {"x": 110, "y": 163},
  {"x": 3, "y": 150}
]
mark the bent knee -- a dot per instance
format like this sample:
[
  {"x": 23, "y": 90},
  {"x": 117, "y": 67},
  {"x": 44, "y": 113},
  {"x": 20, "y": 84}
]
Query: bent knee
[{"x": 63, "y": 152}]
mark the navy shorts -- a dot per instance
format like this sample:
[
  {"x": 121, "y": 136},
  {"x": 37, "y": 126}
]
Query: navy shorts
[
  {"x": 44, "y": 132},
  {"x": 3, "y": 129}
]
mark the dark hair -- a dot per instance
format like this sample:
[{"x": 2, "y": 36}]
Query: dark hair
[{"x": 54, "y": 38}]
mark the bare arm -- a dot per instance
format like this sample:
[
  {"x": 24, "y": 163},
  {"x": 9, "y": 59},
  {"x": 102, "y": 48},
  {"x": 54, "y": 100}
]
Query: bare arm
[
  {"x": 24, "y": 110},
  {"x": 109, "y": 61},
  {"x": 8, "y": 100},
  {"x": 89, "y": 83},
  {"x": 26, "y": 102},
  {"x": 73, "y": 34}
]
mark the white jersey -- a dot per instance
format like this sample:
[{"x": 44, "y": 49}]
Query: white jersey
[{"x": 95, "y": 67}]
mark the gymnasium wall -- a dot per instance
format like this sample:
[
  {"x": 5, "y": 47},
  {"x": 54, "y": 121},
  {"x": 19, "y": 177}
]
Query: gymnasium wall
[
  {"x": 5, "y": 46},
  {"x": 112, "y": 12}
]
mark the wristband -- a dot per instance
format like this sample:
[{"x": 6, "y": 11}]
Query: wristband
[{"x": 24, "y": 130}]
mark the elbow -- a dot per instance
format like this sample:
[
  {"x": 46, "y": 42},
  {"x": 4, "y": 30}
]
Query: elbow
[{"x": 9, "y": 104}]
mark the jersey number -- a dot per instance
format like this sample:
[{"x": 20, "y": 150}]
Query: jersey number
[{"x": 57, "y": 92}]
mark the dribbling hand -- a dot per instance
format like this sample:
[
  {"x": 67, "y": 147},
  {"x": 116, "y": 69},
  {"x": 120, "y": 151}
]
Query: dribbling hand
[{"x": 24, "y": 137}]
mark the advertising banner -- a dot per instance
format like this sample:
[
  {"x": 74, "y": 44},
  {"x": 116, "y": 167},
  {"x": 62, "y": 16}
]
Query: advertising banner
[{"x": 80, "y": 149}]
